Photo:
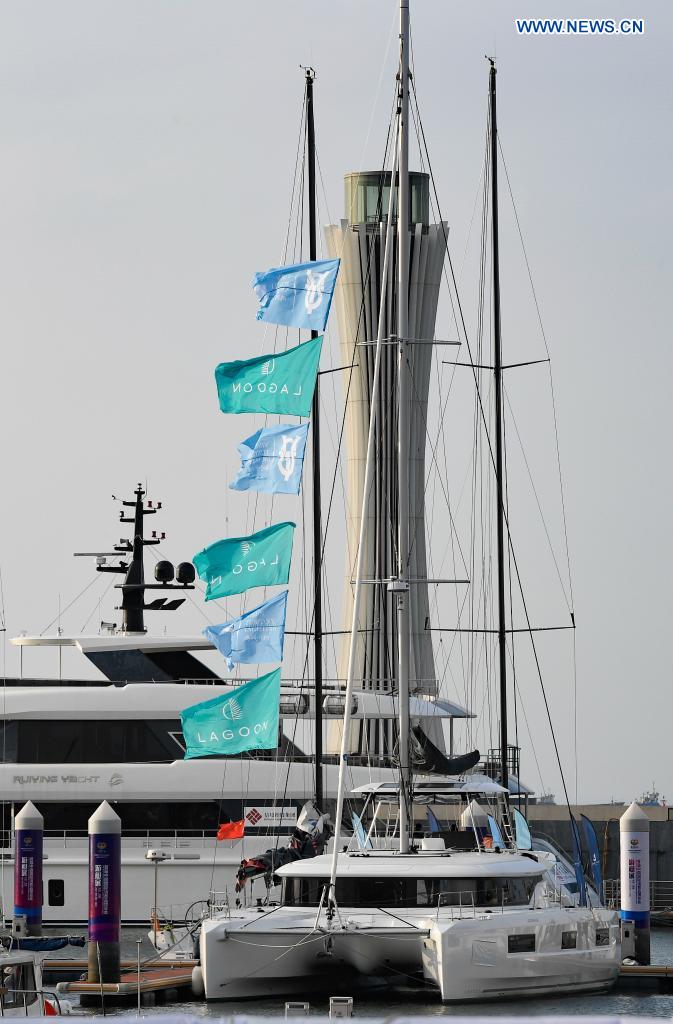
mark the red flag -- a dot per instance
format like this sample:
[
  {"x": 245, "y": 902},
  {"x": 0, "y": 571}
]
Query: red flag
[{"x": 232, "y": 830}]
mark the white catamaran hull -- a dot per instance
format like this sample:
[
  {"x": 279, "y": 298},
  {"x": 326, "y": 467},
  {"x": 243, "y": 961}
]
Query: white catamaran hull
[{"x": 286, "y": 952}]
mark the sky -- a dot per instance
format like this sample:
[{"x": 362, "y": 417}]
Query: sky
[{"x": 147, "y": 155}]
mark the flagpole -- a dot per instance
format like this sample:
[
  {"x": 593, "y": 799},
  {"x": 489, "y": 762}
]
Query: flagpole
[{"x": 315, "y": 459}]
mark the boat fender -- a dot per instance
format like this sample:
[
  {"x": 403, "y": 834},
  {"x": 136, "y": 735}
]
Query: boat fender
[{"x": 198, "y": 988}]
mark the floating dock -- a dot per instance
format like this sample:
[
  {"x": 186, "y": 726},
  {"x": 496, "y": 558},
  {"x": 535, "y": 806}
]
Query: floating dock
[
  {"x": 656, "y": 977},
  {"x": 157, "y": 982}
]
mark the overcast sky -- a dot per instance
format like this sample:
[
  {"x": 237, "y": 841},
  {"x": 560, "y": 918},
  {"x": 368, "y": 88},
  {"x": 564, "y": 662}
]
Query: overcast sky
[{"x": 147, "y": 152}]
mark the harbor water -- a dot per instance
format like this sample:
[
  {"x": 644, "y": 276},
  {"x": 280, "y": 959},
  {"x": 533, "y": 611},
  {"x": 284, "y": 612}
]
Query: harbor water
[{"x": 417, "y": 1002}]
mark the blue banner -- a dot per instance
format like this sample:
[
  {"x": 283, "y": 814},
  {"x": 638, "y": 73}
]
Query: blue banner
[
  {"x": 524, "y": 840},
  {"x": 496, "y": 834},
  {"x": 594, "y": 854},
  {"x": 577, "y": 862},
  {"x": 297, "y": 296},
  {"x": 246, "y": 718},
  {"x": 254, "y": 638},
  {"x": 272, "y": 460}
]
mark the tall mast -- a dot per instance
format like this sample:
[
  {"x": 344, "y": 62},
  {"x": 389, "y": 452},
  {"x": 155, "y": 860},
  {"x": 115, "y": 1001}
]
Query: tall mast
[
  {"x": 497, "y": 367},
  {"x": 315, "y": 456},
  {"x": 401, "y": 587}
]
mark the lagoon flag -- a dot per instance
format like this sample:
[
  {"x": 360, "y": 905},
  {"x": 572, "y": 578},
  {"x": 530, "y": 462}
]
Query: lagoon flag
[
  {"x": 254, "y": 638},
  {"x": 272, "y": 460},
  {"x": 280, "y": 383},
  {"x": 297, "y": 296},
  {"x": 236, "y": 564},
  {"x": 246, "y": 718}
]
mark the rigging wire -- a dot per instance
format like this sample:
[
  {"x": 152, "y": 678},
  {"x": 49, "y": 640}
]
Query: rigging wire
[{"x": 463, "y": 325}]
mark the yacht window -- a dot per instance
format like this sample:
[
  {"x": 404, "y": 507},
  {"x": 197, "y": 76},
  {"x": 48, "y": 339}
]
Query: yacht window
[
  {"x": 377, "y": 891},
  {"x": 568, "y": 940},
  {"x": 521, "y": 943},
  {"x": 106, "y": 740},
  {"x": 18, "y": 986},
  {"x": 602, "y": 936},
  {"x": 56, "y": 892}
]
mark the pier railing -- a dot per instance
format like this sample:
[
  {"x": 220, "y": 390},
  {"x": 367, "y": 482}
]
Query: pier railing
[{"x": 661, "y": 894}]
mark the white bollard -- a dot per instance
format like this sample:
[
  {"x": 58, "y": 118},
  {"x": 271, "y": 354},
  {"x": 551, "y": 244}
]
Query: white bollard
[{"x": 634, "y": 855}]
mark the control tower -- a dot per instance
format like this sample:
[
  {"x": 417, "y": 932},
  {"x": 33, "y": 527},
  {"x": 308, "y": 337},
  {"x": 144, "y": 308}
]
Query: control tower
[{"x": 360, "y": 242}]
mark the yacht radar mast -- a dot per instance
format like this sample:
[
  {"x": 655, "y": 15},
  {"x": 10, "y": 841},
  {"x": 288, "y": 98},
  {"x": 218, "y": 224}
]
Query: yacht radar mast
[{"x": 134, "y": 586}]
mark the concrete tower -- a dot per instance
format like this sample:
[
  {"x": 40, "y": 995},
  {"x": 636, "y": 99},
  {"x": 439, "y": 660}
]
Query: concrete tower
[{"x": 360, "y": 242}]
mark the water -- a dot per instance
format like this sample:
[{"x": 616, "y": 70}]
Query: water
[{"x": 418, "y": 1002}]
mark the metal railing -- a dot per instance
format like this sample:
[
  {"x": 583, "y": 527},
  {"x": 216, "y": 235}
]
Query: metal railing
[{"x": 661, "y": 894}]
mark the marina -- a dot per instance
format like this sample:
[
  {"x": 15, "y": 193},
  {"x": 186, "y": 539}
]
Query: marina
[{"x": 301, "y": 759}]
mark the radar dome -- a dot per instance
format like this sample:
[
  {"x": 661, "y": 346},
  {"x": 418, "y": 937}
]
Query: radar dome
[
  {"x": 186, "y": 573},
  {"x": 163, "y": 572}
]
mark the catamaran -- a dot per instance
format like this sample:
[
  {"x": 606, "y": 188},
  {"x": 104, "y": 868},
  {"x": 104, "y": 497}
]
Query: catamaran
[{"x": 460, "y": 900}]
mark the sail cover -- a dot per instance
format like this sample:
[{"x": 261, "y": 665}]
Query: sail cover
[{"x": 426, "y": 757}]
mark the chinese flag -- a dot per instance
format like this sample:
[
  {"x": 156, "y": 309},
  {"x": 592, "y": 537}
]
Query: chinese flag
[{"x": 232, "y": 830}]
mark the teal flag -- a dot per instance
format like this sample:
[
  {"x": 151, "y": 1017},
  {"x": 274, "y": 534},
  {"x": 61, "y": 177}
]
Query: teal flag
[
  {"x": 234, "y": 565},
  {"x": 246, "y": 718},
  {"x": 282, "y": 383}
]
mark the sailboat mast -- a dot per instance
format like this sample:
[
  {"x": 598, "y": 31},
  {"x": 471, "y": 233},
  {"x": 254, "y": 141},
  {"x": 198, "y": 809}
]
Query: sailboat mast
[
  {"x": 497, "y": 367},
  {"x": 401, "y": 587},
  {"x": 315, "y": 457}
]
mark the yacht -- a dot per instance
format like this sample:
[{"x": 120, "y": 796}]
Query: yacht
[
  {"x": 473, "y": 916},
  {"x": 68, "y": 744},
  {"x": 463, "y": 902}
]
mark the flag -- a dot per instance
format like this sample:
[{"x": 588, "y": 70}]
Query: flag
[
  {"x": 577, "y": 862},
  {"x": 524, "y": 840},
  {"x": 283, "y": 382},
  {"x": 245, "y": 718},
  {"x": 231, "y": 830},
  {"x": 297, "y": 296},
  {"x": 272, "y": 460},
  {"x": 254, "y": 638},
  {"x": 235, "y": 565},
  {"x": 594, "y": 854},
  {"x": 496, "y": 834},
  {"x": 433, "y": 824}
]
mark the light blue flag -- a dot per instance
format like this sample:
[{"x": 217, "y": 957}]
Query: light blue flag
[
  {"x": 254, "y": 638},
  {"x": 433, "y": 824},
  {"x": 272, "y": 460},
  {"x": 297, "y": 296},
  {"x": 360, "y": 834},
  {"x": 496, "y": 834},
  {"x": 246, "y": 718},
  {"x": 236, "y": 564},
  {"x": 524, "y": 840}
]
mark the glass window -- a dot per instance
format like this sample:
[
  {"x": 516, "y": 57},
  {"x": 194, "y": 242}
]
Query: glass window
[
  {"x": 568, "y": 940},
  {"x": 521, "y": 943},
  {"x": 18, "y": 986},
  {"x": 56, "y": 892},
  {"x": 421, "y": 892}
]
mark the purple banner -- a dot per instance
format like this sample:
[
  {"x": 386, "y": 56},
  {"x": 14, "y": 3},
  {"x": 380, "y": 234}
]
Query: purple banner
[
  {"x": 28, "y": 873},
  {"x": 104, "y": 887}
]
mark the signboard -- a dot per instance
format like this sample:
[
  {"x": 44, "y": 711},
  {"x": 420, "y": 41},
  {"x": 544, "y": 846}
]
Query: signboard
[{"x": 268, "y": 817}]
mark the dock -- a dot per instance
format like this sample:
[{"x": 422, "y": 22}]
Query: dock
[
  {"x": 655, "y": 977},
  {"x": 166, "y": 981}
]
